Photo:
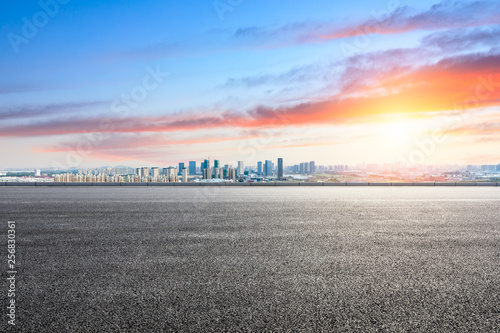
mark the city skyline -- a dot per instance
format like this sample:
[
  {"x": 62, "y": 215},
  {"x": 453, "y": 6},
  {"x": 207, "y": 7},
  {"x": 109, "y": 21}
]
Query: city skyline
[{"x": 156, "y": 83}]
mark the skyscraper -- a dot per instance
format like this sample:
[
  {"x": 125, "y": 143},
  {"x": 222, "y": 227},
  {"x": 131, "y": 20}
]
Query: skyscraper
[
  {"x": 231, "y": 173},
  {"x": 312, "y": 167},
  {"x": 268, "y": 168},
  {"x": 216, "y": 164},
  {"x": 259, "y": 168},
  {"x": 181, "y": 166},
  {"x": 145, "y": 172},
  {"x": 241, "y": 168},
  {"x": 280, "y": 168},
  {"x": 184, "y": 174},
  {"x": 155, "y": 172},
  {"x": 192, "y": 168},
  {"x": 207, "y": 171}
]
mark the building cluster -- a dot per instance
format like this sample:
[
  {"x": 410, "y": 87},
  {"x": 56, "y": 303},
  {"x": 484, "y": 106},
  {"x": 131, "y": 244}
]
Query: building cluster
[
  {"x": 92, "y": 178},
  {"x": 484, "y": 168},
  {"x": 213, "y": 171}
]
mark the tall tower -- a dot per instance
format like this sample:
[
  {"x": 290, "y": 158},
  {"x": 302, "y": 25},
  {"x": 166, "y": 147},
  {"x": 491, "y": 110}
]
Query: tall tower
[
  {"x": 259, "y": 168},
  {"x": 192, "y": 168},
  {"x": 312, "y": 167},
  {"x": 184, "y": 175},
  {"x": 280, "y": 168},
  {"x": 241, "y": 168}
]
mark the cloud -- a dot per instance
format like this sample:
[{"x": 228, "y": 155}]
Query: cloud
[
  {"x": 448, "y": 14},
  {"x": 461, "y": 82},
  {"x": 20, "y": 112},
  {"x": 464, "y": 39}
]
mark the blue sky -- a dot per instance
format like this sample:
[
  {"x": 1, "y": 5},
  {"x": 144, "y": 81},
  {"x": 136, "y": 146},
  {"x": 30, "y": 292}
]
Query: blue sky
[{"x": 226, "y": 62}]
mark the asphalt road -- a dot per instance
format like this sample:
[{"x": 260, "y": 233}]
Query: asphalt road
[{"x": 254, "y": 259}]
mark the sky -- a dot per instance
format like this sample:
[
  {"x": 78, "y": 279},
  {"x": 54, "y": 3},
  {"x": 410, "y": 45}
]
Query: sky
[{"x": 155, "y": 83}]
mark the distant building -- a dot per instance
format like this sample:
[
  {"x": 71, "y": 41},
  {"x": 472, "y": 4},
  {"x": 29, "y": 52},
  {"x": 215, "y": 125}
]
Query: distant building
[
  {"x": 217, "y": 173},
  {"x": 268, "y": 168},
  {"x": 207, "y": 173},
  {"x": 38, "y": 173},
  {"x": 145, "y": 172},
  {"x": 259, "y": 168},
  {"x": 241, "y": 167},
  {"x": 184, "y": 175},
  {"x": 172, "y": 174},
  {"x": 192, "y": 168},
  {"x": 155, "y": 172},
  {"x": 280, "y": 168},
  {"x": 312, "y": 167},
  {"x": 231, "y": 174},
  {"x": 181, "y": 166}
]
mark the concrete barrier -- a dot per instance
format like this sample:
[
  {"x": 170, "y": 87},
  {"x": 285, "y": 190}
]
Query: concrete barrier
[
  {"x": 310, "y": 184},
  {"x": 105, "y": 184},
  {"x": 134, "y": 184},
  {"x": 238, "y": 184},
  {"x": 187, "y": 184},
  {"x": 20, "y": 184},
  {"x": 2, "y": 183},
  {"x": 263, "y": 184},
  {"x": 402, "y": 184},
  {"x": 46, "y": 184},
  {"x": 424, "y": 184},
  {"x": 379, "y": 184},
  {"x": 212, "y": 184},
  {"x": 334, "y": 184},
  {"x": 160, "y": 184},
  {"x": 466, "y": 184},
  {"x": 486, "y": 184},
  {"x": 357, "y": 184},
  {"x": 76, "y": 184},
  {"x": 445, "y": 184},
  {"x": 287, "y": 184}
]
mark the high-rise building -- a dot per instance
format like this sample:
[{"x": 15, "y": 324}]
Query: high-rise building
[
  {"x": 304, "y": 167},
  {"x": 184, "y": 175},
  {"x": 172, "y": 174},
  {"x": 268, "y": 168},
  {"x": 155, "y": 172},
  {"x": 280, "y": 168},
  {"x": 207, "y": 170},
  {"x": 181, "y": 166},
  {"x": 37, "y": 173},
  {"x": 312, "y": 167},
  {"x": 144, "y": 172},
  {"x": 217, "y": 173},
  {"x": 216, "y": 164},
  {"x": 498, "y": 167},
  {"x": 192, "y": 168},
  {"x": 241, "y": 168},
  {"x": 231, "y": 173},
  {"x": 259, "y": 168}
]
